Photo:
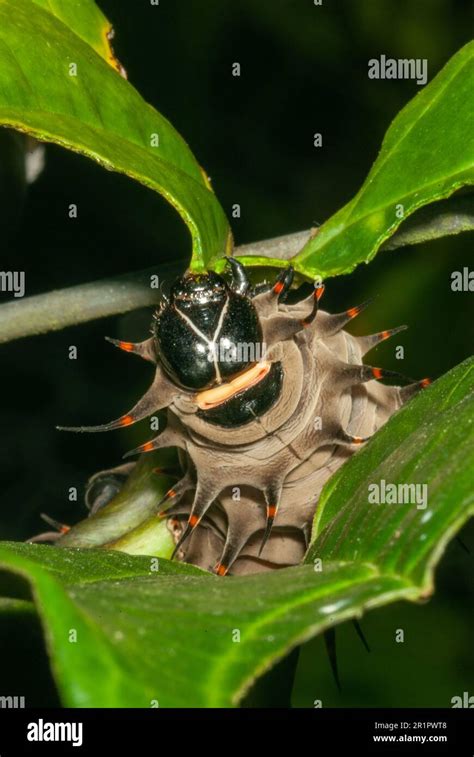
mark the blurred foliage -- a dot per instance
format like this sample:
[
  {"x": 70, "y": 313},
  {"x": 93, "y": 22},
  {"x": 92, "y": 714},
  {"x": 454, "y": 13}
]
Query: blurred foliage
[{"x": 304, "y": 69}]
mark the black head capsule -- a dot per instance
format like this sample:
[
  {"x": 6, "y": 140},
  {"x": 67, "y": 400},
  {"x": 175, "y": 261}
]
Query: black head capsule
[{"x": 207, "y": 333}]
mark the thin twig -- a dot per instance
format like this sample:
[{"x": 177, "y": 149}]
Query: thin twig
[
  {"x": 56, "y": 310},
  {"x": 441, "y": 219},
  {"x": 283, "y": 248}
]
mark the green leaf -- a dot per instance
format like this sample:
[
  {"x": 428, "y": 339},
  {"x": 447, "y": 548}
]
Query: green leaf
[
  {"x": 444, "y": 218},
  {"x": 99, "y": 114},
  {"x": 86, "y": 20},
  {"x": 429, "y": 442},
  {"x": 441, "y": 219},
  {"x": 172, "y": 636},
  {"x": 427, "y": 154},
  {"x": 98, "y": 669}
]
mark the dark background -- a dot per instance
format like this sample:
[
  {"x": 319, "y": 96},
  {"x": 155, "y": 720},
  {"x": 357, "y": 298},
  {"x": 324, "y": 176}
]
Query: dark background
[{"x": 304, "y": 70}]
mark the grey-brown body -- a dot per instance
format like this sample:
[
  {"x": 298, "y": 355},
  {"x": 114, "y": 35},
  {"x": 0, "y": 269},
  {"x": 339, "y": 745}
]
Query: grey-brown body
[
  {"x": 249, "y": 491},
  {"x": 293, "y": 446}
]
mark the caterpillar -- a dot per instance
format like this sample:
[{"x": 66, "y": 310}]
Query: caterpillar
[{"x": 264, "y": 401}]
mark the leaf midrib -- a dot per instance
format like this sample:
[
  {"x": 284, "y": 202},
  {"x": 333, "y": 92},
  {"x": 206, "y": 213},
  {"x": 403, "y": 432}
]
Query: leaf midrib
[
  {"x": 382, "y": 208},
  {"x": 253, "y": 629},
  {"x": 334, "y": 485},
  {"x": 431, "y": 102}
]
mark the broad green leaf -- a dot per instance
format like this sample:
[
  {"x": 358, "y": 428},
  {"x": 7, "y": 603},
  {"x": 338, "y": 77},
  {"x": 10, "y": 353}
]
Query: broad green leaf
[
  {"x": 427, "y": 154},
  {"x": 440, "y": 219},
  {"x": 183, "y": 637},
  {"x": 93, "y": 670},
  {"x": 86, "y": 20},
  {"x": 55, "y": 87},
  {"x": 170, "y": 638},
  {"x": 430, "y": 443}
]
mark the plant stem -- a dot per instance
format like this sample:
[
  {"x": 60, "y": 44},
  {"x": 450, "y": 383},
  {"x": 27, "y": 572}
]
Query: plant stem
[{"x": 120, "y": 294}]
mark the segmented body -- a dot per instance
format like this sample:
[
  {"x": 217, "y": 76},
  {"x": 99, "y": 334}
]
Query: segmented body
[
  {"x": 282, "y": 459},
  {"x": 258, "y": 438}
]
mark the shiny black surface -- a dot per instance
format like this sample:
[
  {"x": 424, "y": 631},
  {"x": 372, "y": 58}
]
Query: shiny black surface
[
  {"x": 248, "y": 404},
  {"x": 203, "y": 308}
]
